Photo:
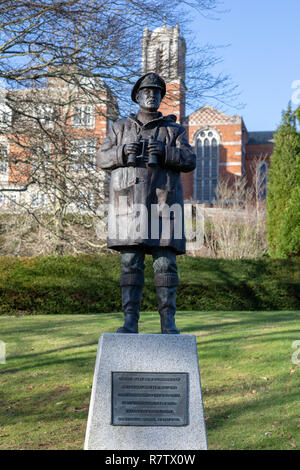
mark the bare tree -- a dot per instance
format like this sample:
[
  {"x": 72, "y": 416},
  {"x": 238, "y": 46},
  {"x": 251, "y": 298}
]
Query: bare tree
[
  {"x": 102, "y": 36},
  {"x": 65, "y": 65},
  {"x": 236, "y": 226},
  {"x": 53, "y": 140}
]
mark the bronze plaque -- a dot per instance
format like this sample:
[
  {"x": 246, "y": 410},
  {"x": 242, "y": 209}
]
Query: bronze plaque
[{"x": 149, "y": 399}]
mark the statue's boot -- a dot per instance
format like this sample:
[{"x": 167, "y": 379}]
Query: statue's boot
[
  {"x": 131, "y": 302},
  {"x": 166, "y": 296}
]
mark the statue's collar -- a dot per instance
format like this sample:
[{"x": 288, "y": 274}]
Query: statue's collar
[{"x": 159, "y": 117}]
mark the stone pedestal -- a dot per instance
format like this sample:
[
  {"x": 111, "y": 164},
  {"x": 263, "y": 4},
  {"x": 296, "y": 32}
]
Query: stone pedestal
[{"x": 143, "y": 382}]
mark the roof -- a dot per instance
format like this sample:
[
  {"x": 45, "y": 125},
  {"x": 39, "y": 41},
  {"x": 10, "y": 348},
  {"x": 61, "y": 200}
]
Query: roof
[
  {"x": 263, "y": 137},
  {"x": 209, "y": 115}
]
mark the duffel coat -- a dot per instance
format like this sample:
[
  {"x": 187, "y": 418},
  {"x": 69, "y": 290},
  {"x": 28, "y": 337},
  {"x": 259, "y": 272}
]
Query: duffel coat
[{"x": 141, "y": 196}]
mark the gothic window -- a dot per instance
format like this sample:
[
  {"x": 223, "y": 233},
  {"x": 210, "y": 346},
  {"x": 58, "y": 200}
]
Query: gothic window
[
  {"x": 262, "y": 180},
  {"x": 207, "y": 167}
]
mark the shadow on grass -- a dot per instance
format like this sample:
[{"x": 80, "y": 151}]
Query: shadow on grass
[
  {"x": 240, "y": 320},
  {"x": 275, "y": 403},
  {"x": 39, "y": 356},
  {"x": 68, "y": 399},
  {"x": 43, "y": 324},
  {"x": 46, "y": 406}
]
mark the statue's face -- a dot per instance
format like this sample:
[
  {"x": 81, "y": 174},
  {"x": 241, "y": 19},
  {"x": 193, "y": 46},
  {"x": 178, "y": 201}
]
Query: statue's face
[{"x": 149, "y": 98}]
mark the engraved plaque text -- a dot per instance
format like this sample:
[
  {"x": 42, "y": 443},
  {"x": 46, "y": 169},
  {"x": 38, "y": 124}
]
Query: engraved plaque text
[{"x": 149, "y": 399}]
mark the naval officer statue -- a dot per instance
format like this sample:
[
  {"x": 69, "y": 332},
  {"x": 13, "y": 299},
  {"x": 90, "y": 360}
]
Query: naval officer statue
[{"x": 146, "y": 153}]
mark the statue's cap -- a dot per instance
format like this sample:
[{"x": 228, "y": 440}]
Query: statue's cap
[{"x": 149, "y": 80}]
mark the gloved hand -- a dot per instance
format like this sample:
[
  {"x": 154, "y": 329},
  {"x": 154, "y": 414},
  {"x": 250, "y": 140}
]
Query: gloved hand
[
  {"x": 132, "y": 148},
  {"x": 130, "y": 152},
  {"x": 157, "y": 147},
  {"x": 156, "y": 150}
]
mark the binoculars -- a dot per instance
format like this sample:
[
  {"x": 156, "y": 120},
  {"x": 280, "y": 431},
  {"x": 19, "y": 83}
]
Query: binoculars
[{"x": 152, "y": 159}]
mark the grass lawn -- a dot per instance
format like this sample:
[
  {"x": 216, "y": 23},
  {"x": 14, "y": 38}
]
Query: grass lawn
[{"x": 251, "y": 388}]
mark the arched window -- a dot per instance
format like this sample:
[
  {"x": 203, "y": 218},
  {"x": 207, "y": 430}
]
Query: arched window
[
  {"x": 207, "y": 143},
  {"x": 262, "y": 180}
]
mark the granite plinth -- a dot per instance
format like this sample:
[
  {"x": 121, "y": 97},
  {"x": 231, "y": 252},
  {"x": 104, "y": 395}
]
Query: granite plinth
[{"x": 151, "y": 356}]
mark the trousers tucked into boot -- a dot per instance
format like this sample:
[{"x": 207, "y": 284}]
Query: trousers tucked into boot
[
  {"x": 132, "y": 282},
  {"x": 166, "y": 289},
  {"x": 132, "y": 289}
]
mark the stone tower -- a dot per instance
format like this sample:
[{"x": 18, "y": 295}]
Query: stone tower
[{"x": 164, "y": 53}]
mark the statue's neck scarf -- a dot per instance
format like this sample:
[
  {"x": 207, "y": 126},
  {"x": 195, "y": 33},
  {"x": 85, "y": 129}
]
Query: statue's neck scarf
[{"x": 145, "y": 116}]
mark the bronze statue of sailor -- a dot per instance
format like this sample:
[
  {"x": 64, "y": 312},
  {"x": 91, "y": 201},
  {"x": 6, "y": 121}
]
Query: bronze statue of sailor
[{"x": 146, "y": 153}]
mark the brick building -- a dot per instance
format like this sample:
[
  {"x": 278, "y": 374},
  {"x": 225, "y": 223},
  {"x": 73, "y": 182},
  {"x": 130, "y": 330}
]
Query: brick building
[
  {"x": 68, "y": 118},
  {"x": 223, "y": 145}
]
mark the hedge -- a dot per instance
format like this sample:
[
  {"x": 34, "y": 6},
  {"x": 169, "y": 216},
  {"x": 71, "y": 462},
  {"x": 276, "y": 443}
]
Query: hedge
[{"x": 90, "y": 284}]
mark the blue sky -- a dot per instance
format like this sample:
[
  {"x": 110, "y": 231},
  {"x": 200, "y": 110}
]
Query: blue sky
[{"x": 263, "y": 58}]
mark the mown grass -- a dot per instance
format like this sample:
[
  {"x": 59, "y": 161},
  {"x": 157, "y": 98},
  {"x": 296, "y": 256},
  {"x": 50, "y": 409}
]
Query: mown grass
[
  {"x": 251, "y": 388},
  {"x": 90, "y": 284}
]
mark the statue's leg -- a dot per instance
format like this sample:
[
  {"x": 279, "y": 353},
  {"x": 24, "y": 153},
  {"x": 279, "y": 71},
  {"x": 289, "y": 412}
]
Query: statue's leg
[
  {"x": 132, "y": 282},
  {"x": 166, "y": 282}
]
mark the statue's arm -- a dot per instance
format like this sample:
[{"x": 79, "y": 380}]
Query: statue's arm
[
  {"x": 110, "y": 155},
  {"x": 180, "y": 157}
]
